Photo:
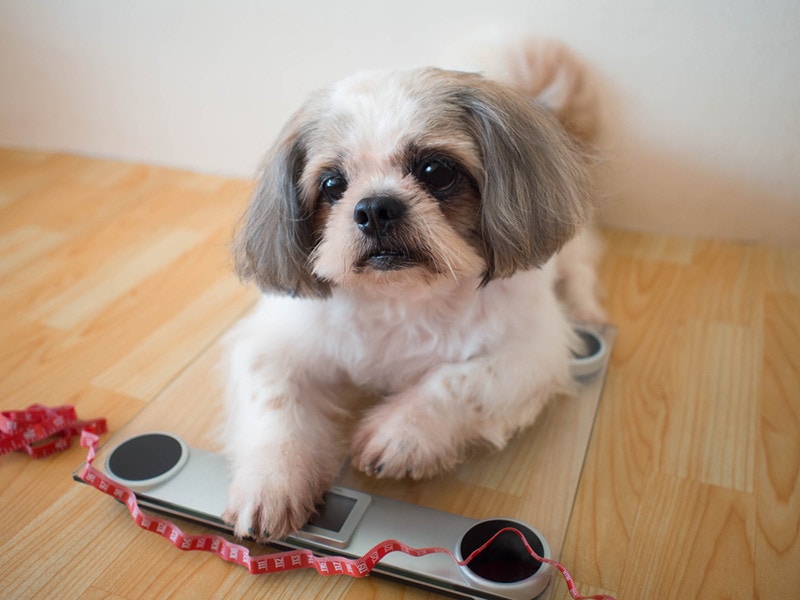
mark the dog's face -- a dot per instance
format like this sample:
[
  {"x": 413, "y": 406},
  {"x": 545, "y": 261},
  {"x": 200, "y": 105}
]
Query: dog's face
[{"x": 405, "y": 178}]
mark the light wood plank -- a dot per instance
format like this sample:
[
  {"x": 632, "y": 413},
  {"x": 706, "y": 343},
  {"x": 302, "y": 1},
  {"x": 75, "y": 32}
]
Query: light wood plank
[
  {"x": 118, "y": 276},
  {"x": 690, "y": 540},
  {"x": 709, "y": 429},
  {"x": 146, "y": 369},
  {"x": 778, "y": 457},
  {"x": 25, "y": 244}
]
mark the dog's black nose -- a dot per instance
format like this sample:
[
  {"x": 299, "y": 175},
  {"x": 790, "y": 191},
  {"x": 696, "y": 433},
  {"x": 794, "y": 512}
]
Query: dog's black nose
[{"x": 375, "y": 216}]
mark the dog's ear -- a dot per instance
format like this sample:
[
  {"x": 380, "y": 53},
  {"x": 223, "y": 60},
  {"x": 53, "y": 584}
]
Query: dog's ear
[
  {"x": 276, "y": 235},
  {"x": 535, "y": 185}
]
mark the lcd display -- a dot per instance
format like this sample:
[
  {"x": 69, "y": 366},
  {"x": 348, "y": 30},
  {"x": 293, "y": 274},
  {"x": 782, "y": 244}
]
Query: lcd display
[{"x": 333, "y": 513}]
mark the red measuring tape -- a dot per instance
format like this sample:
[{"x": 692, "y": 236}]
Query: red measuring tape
[
  {"x": 42, "y": 431},
  {"x": 45, "y": 422}
]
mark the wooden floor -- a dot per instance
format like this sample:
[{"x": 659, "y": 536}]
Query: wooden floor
[{"x": 114, "y": 278}]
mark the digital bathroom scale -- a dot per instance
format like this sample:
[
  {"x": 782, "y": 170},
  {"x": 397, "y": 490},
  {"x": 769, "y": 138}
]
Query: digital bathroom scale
[{"x": 170, "y": 476}]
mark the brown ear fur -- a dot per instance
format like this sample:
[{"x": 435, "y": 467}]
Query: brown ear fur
[
  {"x": 535, "y": 188},
  {"x": 276, "y": 236}
]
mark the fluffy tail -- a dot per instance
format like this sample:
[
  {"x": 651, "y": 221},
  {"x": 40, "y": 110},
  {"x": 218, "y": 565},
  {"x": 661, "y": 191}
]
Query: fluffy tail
[
  {"x": 545, "y": 70},
  {"x": 548, "y": 71}
]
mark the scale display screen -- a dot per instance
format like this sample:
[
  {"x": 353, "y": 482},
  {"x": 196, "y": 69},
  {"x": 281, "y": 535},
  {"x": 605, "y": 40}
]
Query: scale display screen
[{"x": 333, "y": 513}]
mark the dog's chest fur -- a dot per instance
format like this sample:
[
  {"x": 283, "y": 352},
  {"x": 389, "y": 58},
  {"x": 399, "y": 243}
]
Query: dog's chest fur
[
  {"x": 395, "y": 343},
  {"x": 385, "y": 344}
]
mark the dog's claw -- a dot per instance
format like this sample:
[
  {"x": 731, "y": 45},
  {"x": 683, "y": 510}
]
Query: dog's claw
[{"x": 372, "y": 469}]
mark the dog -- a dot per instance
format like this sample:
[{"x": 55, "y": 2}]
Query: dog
[{"x": 417, "y": 238}]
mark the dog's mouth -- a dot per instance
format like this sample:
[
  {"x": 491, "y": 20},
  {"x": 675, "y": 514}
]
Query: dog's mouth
[{"x": 389, "y": 260}]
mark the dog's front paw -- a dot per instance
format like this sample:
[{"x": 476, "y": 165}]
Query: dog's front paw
[
  {"x": 395, "y": 442},
  {"x": 269, "y": 507}
]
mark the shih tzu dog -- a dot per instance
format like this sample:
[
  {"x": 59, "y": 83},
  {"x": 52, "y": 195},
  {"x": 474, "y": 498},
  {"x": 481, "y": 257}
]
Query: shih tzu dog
[{"x": 415, "y": 235}]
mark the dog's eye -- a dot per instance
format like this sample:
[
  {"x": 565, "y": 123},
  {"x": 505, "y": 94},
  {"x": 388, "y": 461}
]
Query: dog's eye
[
  {"x": 333, "y": 187},
  {"x": 437, "y": 174}
]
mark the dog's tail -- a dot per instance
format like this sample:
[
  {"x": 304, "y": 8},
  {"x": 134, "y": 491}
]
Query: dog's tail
[
  {"x": 549, "y": 71},
  {"x": 543, "y": 69}
]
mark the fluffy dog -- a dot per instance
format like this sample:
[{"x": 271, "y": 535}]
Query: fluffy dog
[{"x": 408, "y": 231}]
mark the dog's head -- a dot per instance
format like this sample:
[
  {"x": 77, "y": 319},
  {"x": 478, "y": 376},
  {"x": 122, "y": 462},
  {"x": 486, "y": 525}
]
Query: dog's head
[{"x": 410, "y": 177}]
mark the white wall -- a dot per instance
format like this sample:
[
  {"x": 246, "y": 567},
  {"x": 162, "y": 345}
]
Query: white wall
[{"x": 701, "y": 97}]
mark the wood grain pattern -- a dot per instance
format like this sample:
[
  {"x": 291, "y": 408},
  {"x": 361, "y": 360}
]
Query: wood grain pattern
[
  {"x": 698, "y": 428},
  {"x": 115, "y": 286}
]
